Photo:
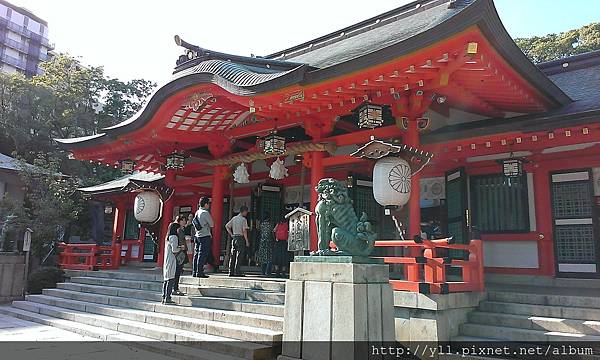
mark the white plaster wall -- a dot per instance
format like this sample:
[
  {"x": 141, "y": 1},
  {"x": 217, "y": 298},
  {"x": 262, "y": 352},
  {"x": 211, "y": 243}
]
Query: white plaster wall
[{"x": 511, "y": 254}]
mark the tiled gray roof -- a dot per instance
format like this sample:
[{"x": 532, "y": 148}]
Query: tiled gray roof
[
  {"x": 122, "y": 182},
  {"x": 235, "y": 73},
  {"x": 373, "y": 34},
  {"x": 580, "y": 84}
]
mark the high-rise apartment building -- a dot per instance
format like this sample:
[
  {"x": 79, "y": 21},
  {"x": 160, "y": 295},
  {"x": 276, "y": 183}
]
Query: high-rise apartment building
[{"x": 23, "y": 40}]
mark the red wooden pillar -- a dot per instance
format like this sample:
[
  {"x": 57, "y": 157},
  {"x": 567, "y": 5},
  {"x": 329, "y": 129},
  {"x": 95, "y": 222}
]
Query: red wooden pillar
[
  {"x": 167, "y": 218},
  {"x": 216, "y": 209},
  {"x": 316, "y": 174},
  {"x": 543, "y": 217},
  {"x": 414, "y": 202}
]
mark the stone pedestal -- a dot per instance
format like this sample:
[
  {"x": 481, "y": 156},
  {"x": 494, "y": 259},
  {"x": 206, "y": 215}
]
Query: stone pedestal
[
  {"x": 12, "y": 272},
  {"x": 337, "y": 307}
]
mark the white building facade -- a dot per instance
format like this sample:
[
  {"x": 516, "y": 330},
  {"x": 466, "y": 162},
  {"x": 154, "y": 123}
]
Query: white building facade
[{"x": 23, "y": 40}]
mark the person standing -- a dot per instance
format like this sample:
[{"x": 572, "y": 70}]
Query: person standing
[
  {"x": 202, "y": 222},
  {"x": 170, "y": 262},
  {"x": 265, "y": 245},
  {"x": 237, "y": 228},
  {"x": 280, "y": 250},
  {"x": 182, "y": 255}
]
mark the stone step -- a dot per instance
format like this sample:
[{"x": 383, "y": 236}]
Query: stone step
[
  {"x": 209, "y": 342},
  {"x": 572, "y": 326},
  {"x": 220, "y": 280},
  {"x": 161, "y": 347},
  {"x": 112, "y": 291},
  {"x": 249, "y": 282},
  {"x": 249, "y": 307},
  {"x": 229, "y": 324},
  {"x": 563, "y": 312},
  {"x": 235, "y": 293},
  {"x": 139, "y": 285},
  {"x": 545, "y": 299},
  {"x": 229, "y": 293},
  {"x": 139, "y": 275},
  {"x": 521, "y": 335}
]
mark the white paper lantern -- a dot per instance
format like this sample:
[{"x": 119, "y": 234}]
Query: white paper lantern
[
  {"x": 147, "y": 207},
  {"x": 391, "y": 181}
]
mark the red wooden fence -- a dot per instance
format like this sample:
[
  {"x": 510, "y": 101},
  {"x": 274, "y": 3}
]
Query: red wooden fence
[
  {"x": 426, "y": 270},
  {"x": 89, "y": 256}
]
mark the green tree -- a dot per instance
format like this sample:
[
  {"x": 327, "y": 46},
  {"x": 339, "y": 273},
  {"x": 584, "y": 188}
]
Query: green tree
[
  {"x": 556, "y": 46},
  {"x": 67, "y": 100}
]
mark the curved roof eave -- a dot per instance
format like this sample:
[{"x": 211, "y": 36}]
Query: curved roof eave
[
  {"x": 181, "y": 82},
  {"x": 481, "y": 13}
]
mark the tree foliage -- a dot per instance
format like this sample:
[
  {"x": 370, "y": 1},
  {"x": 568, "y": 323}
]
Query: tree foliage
[
  {"x": 556, "y": 46},
  {"x": 67, "y": 100}
]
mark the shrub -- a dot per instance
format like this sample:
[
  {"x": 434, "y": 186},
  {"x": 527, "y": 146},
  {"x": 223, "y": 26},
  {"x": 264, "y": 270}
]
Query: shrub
[{"x": 44, "y": 278}]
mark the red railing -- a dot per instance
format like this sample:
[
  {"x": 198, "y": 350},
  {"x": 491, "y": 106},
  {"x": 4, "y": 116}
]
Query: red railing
[
  {"x": 89, "y": 256},
  {"x": 426, "y": 263}
]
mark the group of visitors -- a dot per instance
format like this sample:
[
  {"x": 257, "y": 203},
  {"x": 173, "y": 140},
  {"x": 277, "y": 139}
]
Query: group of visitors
[
  {"x": 272, "y": 247},
  {"x": 272, "y": 252}
]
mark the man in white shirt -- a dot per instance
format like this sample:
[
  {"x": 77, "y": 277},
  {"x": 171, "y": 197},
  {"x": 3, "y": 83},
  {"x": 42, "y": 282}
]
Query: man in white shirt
[
  {"x": 202, "y": 222},
  {"x": 237, "y": 228}
]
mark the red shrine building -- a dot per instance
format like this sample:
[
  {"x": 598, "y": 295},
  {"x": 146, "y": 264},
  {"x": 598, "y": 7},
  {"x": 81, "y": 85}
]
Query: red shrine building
[{"x": 516, "y": 154}]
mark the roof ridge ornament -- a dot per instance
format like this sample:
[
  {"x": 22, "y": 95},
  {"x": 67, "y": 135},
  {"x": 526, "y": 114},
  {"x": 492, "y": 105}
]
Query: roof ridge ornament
[{"x": 192, "y": 51}]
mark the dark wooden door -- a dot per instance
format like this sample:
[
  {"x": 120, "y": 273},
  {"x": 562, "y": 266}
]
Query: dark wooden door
[
  {"x": 574, "y": 217},
  {"x": 457, "y": 208}
]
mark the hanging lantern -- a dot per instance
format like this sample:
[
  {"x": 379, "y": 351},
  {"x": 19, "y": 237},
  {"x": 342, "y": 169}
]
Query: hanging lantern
[
  {"x": 175, "y": 161},
  {"x": 241, "y": 175},
  {"x": 274, "y": 144},
  {"x": 127, "y": 166},
  {"x": 147, "y": 207},
  {"x": 512, "y": 167},
  {"x": 370, "y": 115},
  {"x": 391, "y": 181}
]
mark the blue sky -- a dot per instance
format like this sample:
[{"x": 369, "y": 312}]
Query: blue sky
[
  {"x": 525, "y": 18},
  {"x": 134, "y": 38}
]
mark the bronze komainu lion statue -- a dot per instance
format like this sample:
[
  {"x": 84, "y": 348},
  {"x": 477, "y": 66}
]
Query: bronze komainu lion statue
[{"x": 337, "y": 222}]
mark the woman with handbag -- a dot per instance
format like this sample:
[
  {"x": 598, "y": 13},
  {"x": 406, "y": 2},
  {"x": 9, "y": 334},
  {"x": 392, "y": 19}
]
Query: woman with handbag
[
  {"x": 172, "y": 248},
  {"x": 181, "y": 256}
]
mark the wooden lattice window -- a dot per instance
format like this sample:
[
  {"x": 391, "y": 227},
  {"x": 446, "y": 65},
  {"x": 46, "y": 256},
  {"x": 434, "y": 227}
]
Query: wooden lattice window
[{"x": 499, "y": 204}]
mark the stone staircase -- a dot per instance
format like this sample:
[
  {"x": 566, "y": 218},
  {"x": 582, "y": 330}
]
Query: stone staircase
[
  {"x": 220, "y": 318},
  {"x": 529, "y": 313}
]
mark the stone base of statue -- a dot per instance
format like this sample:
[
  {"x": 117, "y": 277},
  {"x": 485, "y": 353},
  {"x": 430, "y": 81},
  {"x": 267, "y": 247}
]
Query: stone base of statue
[{"x": 337, "y": 307}]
